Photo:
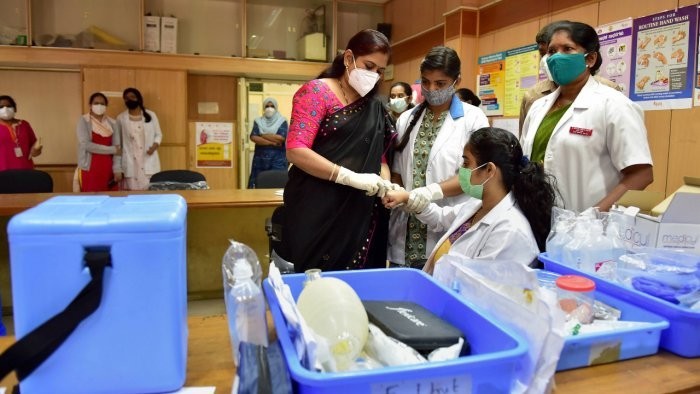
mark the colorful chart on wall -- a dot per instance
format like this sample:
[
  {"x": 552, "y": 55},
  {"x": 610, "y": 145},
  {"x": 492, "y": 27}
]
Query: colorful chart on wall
[
  {"x": 616, "y": 51},
  {"x": 214, "y": 144},
  {"x": 664, "y": 76},
  {"x": 522, "y": 70},
  {"x": 491, "y": 83}
]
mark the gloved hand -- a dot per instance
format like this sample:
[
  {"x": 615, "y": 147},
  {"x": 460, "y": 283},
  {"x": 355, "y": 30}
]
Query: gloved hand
[
  {"x": 385, "y": 186},
  {"x": 420, "y": 198},
  {"x": 367, "y": 182}
]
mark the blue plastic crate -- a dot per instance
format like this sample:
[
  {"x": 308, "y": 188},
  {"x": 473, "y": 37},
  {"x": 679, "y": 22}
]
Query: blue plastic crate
[
  {"x": 136, "y": 341},
  {"x": 683, "y": 335},
  {"x": 496, "y": 351}
]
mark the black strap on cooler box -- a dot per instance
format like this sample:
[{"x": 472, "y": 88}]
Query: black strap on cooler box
[{"x": 27, "y": 354}]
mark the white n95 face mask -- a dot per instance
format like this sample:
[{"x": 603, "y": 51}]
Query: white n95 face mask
[
  {"x": 362, "y": 80},
  {"x": 544, "y": 67},
  {"x": 269, "y": 111},
  {"x": 98, "y": 109},
  {"x": 7, "y": 113}
]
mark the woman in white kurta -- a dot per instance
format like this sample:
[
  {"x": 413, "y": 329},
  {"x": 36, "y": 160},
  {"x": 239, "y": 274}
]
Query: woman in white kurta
[
  {"x": 431, "y": 138},
  {"x": 589, "y": 136},
  {"x": 508, "y": 216},
  {"x": 140, "y": 138}
]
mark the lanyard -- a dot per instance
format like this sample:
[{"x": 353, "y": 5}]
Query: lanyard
[{"x": 13, "y": 134}]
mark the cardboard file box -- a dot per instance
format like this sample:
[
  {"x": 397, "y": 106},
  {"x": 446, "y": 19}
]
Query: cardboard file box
[
  {"x": 136, "y": 340},
  {"x": 312, "y": 47},
  {"x": 151, "y": 33},
  {"x": 168, "y": 35},
  {"x": 496, "y": 352}
]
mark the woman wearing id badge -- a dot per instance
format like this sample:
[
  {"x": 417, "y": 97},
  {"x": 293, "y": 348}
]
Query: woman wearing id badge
[
  {"x": 591, "y": 137},
  {"x": 18, "y": 143}
]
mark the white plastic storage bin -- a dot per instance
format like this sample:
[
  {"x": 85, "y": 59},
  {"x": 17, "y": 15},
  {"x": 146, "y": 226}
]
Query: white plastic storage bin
[{"x": 136, "y": 340}]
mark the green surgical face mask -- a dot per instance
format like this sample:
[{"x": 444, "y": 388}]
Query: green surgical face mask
[
  {"x": 566, "y": 67},
  {"x": 465, "y": 182}
]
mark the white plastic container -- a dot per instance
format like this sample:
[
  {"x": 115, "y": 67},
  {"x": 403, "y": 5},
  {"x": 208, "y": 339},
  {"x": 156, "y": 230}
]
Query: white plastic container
[{"x": 334, "y": 311}]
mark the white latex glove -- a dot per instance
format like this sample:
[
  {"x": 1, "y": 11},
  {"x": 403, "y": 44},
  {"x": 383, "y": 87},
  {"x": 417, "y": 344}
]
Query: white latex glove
[
  {"x": 420, "y": 198},
  {"x": 367, "y": 182},
  {"x": 385, "y": 185}
]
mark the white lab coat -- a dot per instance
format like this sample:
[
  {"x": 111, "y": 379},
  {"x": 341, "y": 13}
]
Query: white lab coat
[
  {"x": 601, "y": 134},
  {"x": 152, "y": 134},
  {"x": 503, "y": 234},
  {"x": 444, "y": 162}
]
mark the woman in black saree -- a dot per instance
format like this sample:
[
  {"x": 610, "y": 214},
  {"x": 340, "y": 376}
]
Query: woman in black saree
[{"x": 338, "y": 144}]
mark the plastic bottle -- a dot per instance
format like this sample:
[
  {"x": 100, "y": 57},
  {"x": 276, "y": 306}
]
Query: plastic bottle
[
  {"x": 240, "y": 252},
  {"x": 562, "y": 236},
  {"x": 334, "y": 311},
  {"x": 245, "y": 308},
  {"x": 596, "y": 250},
  {"x": 571, "y": 252}
]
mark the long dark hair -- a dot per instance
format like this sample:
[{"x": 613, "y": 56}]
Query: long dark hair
[
  {"x": 365, "y": 42},
  {"x": 534, "y": 190},
  {"x": 139, "y": 99},
  {"x": 584, "y": 35},
  {"x": 440, "y": 58}
]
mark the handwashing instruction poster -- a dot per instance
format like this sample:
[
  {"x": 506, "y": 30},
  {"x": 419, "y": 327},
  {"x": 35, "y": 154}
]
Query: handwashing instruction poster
[
  {"x": 214, "y": 144},
  {"x": 664, "y": 76},
  {"x": 616, "y": 50},
  {"x": 491, "y": 83}
]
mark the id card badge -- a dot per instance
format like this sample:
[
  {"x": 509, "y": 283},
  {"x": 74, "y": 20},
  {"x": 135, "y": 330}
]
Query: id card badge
[{"x": 18, "y": 151}]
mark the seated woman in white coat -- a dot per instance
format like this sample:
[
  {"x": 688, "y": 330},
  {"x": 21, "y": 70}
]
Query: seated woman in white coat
[{"x": 508, "y": 217}]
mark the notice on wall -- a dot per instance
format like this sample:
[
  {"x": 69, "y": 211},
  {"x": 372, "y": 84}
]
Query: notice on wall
[
  {"x": 616, "y": 51},
  {"x": 697, "y": 74},
  {"x": 491, "y": 83},
  {"x": 664, "y": 52},
  {"x": 522, "y": 70},
  {"x": 214, "y": 144}
]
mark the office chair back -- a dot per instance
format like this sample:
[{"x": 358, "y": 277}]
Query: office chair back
[
  {"x": 25, "y": 181},
  {"x": 184, "y": 176},
  {"x": 271, "y": 179}
]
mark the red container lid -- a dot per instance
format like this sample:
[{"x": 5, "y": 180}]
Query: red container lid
[{"x": 575, "y": 283}]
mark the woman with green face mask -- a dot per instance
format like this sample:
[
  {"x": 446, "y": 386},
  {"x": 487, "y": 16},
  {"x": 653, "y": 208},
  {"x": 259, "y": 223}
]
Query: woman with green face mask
[
  {"x": 591, "y": 137},
  {"x": 508, "y": 217}
]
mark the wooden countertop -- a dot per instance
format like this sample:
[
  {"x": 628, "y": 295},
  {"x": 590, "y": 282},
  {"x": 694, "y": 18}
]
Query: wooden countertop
[
  {"x": 11, "y": 204},
  {"x": 209, "y": 364}
]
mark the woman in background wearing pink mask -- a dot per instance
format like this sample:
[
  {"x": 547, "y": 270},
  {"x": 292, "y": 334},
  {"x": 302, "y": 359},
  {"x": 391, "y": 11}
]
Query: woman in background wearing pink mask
[
  {"x": 98, "y": 141},
  {"x": 18, "y": 143},
  {"x": 338, "y": 141}
]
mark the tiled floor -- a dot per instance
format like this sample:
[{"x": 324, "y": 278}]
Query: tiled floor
[{"x": 194, "y": 308}]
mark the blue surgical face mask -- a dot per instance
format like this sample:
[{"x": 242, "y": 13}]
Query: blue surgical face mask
[
  {"x": 465, "y": 182},
  {"x": 566, "y": 67}
]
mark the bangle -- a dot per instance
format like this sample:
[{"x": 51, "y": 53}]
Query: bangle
[{"x": 330, "y": 178}]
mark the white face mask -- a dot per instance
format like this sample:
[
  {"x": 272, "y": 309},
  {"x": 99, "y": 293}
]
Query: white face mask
[
  {"x": 398, "y": 105},
  {"x": 362, "y": 80},
  {"x": 544, "y": 67},
  {"x": 7, "y": 113},
  {"x": 269, "y": 111},
  {"x": 98, "y": 109}
]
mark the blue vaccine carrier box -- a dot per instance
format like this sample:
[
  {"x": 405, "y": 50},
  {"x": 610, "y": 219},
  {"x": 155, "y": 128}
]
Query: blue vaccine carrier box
[{"x": 136, "y": 340}]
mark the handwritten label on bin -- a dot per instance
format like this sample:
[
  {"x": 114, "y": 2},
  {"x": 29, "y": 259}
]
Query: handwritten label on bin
[{"x": 448, "y": 385}]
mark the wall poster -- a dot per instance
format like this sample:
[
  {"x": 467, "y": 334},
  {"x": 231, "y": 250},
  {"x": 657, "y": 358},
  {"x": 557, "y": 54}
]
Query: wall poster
[
  {"x": 214, "y": 144},
  {"x": 664, "y": 76},
  {"x": 616, "y": 50}
]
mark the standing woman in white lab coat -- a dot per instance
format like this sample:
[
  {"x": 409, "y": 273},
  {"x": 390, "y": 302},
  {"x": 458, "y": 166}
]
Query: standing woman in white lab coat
[
  {"x": 589, "y": 136},
  {"x": 508, "y": 216},
  {"x": 430, "y": 141}
]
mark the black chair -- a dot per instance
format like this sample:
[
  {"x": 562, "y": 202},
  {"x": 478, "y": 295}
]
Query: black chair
[
  {"x": 273, "y": 228},
  {"x": 25, "y": 181},
  {"x": 271, "y": 179},
  {"x": 184, "y": 176},
  {"x": 178, "y": 180}
]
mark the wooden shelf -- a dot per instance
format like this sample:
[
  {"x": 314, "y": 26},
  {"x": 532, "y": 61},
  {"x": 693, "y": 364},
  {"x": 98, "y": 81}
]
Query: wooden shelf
[{"x": 72, "y": 58}]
